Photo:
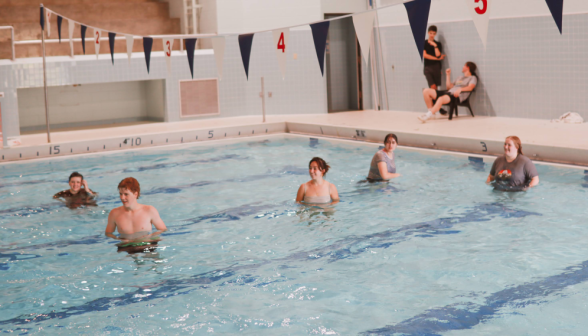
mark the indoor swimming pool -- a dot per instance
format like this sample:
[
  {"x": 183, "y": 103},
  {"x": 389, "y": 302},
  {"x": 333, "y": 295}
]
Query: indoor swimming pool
[{"x": 434, "y": 252}]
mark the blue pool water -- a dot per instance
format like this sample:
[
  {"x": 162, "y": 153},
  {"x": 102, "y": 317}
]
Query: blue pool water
[{"x": 436, "y": 252}]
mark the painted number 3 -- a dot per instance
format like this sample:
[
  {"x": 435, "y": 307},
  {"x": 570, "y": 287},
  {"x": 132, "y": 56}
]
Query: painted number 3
[
  {"x": 482, "y": 8},
  {"x": 168, "y": 52},
  {"x": 281, "y": 44}
]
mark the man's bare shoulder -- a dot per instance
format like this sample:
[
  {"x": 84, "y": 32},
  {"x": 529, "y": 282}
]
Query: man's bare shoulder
[
  {"x": 149, "y": 208},
  {"x": 117, "y": 211}
]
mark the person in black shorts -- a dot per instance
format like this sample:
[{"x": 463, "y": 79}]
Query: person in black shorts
[
  {"x": 456, "y": 92},
  {"x": 433, "y": 54}
]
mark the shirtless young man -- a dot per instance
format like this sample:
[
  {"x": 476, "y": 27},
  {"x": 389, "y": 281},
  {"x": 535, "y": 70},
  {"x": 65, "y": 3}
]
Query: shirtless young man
[{"x": 133, "y": 220}]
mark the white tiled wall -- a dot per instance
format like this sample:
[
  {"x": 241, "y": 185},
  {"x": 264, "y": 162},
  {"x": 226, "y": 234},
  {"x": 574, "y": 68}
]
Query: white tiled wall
[
  {"x": 303, "y": 91},
  {"x": 244, "y": 16},
  {"x": 90, "y": 103},
  {"x": 528, "y": 70}
]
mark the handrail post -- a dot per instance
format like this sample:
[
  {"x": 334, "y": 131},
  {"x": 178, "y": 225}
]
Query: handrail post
[
  {"x": 12, "y": 42},
  {"x": 45, "y": 82},
  {"x": 383, "y": 65},
  {"x": 262, "y": 95}
]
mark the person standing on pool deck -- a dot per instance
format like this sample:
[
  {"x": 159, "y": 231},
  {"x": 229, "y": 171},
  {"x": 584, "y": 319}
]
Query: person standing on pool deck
[
  {"x": 317, "y": 190},
  {"x": 78, "y": 193},
  {"x": 433, "y": 55},
  {"x": 383, "y": 166},
  {"x": 513, "y": 171},
  {"x": 133, "y": 220}
]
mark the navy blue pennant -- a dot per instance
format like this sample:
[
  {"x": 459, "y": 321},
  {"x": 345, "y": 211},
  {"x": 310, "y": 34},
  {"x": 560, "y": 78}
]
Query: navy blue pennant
[
  {"x": 147, "y": 45},
  {"x": 42, "y": 21},
  {"x": 320, "y": 31},
  {"x": 556, "y": 8},
  {"x": 418, "y": 16},
  {"x": 111, "y": 37},
  {"x": 59, "y": 21},
  {"x": 190, "y": 46},
  {"x": 83, "y": 32},
  {"x": 245, "y": 42}
]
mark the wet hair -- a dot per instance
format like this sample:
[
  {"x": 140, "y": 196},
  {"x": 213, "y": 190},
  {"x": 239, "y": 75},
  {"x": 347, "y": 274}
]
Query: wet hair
[
  {"x": 388, "y": 137},
  {"x": 432, "y": 28},
  {"x": 517, "y": 142},
  {"x": 75, "y": 174},
  {"x": 131, "y": 184},
  {"x": 473, "y": 67},
  {"x": 321, "y": 164}
]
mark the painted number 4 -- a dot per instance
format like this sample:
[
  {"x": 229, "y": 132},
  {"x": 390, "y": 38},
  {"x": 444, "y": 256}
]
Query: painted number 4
[
  {"x": 482, "y": 8},
  {"x": 281, "y": 44}
]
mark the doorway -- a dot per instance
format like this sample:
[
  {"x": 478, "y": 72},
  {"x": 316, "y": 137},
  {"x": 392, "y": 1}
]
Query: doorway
[{"x": 344, "y": 84}]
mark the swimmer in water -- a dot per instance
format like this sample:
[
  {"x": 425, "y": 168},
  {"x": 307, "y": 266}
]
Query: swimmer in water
[
  {"x": 383, "y": 167},
  {"x": 133, "y": 220},
  {"x": 78, "y": 193},
  {"x": 513, "y": 171},
  {"x": 317, "y": 190}
]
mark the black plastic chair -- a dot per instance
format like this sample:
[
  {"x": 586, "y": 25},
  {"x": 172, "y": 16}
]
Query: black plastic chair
[{"x": 453, "y": 108}]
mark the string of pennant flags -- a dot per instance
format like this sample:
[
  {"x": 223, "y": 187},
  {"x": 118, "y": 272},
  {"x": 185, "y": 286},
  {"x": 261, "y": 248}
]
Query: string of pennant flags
[{"x": 417, "y": 11}]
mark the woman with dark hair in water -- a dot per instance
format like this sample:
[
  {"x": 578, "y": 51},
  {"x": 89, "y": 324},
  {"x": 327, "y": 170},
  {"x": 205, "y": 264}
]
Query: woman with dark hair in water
[
  {"x": 513, "y": 171},
  {"x": 317, "y": 190},
  {"x": 383, "y": 166},
  {"x": 460, "y": 90}
]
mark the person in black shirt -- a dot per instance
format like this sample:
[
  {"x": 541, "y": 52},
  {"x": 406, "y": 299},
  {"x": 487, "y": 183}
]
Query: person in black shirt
[
  {"x": 433, "y": 54},
  {"x": 78, "y": 193}
]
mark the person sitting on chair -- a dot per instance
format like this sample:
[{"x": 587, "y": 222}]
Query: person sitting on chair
[{"x": 461, "y": 89}]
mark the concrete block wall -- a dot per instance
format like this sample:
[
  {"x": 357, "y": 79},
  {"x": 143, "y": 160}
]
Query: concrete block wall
[
  {"x": 528, "y": 69},
  {"x": 302, "y": 92}
]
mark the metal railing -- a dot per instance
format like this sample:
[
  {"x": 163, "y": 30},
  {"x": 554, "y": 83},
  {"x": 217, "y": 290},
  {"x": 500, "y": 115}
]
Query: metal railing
[
  {"x": 79, "y": 39},
  {"x": 11, "y": 39}
]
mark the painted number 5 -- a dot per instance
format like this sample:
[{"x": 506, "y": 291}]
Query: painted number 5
[
  {"x": 281, "y": 44},
  {"x": 481, "y": 9},
  {"x": 168, "y": 51}
]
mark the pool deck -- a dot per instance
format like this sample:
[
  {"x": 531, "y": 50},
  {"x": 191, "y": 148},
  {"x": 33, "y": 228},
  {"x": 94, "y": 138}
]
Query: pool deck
[{"x": 542, "y": 140}]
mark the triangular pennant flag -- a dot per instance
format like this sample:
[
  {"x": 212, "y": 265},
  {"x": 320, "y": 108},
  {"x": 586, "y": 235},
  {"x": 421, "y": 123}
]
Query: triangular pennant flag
[
  {"x": 190, "y": 46},
  {"x": 48, "y": 14},
  {"x": 111, "y": 37},
  {"x": 168, "y": 46},
  {"x": 59, "y": 21},
  {"x": 97, "y": 36},
  {"x": 245, "y": 42},
  {"x": 480, "y": 10},
  {"x": 42, "y": 18},
  {"x": 556, "y": 9},
  {"x": 418, "y": 16},
  {"x": 181, "y": 46},
  {"x": 218, "y": 45},
  {"x": 130, "y": 42},
  {"x": 83, "y": 32},
  {"x": 147, "y": 45},
  {"x": 70, "y": 27},
  {"x": 320, "y": 31},
  {"x": 364, "y": 27},
  {"x": 281, "y": 41}
]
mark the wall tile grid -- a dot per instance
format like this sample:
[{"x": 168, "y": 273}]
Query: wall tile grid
[
  {"x": 528, "y": 70},
  {"x": 303, "y": 91}
]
